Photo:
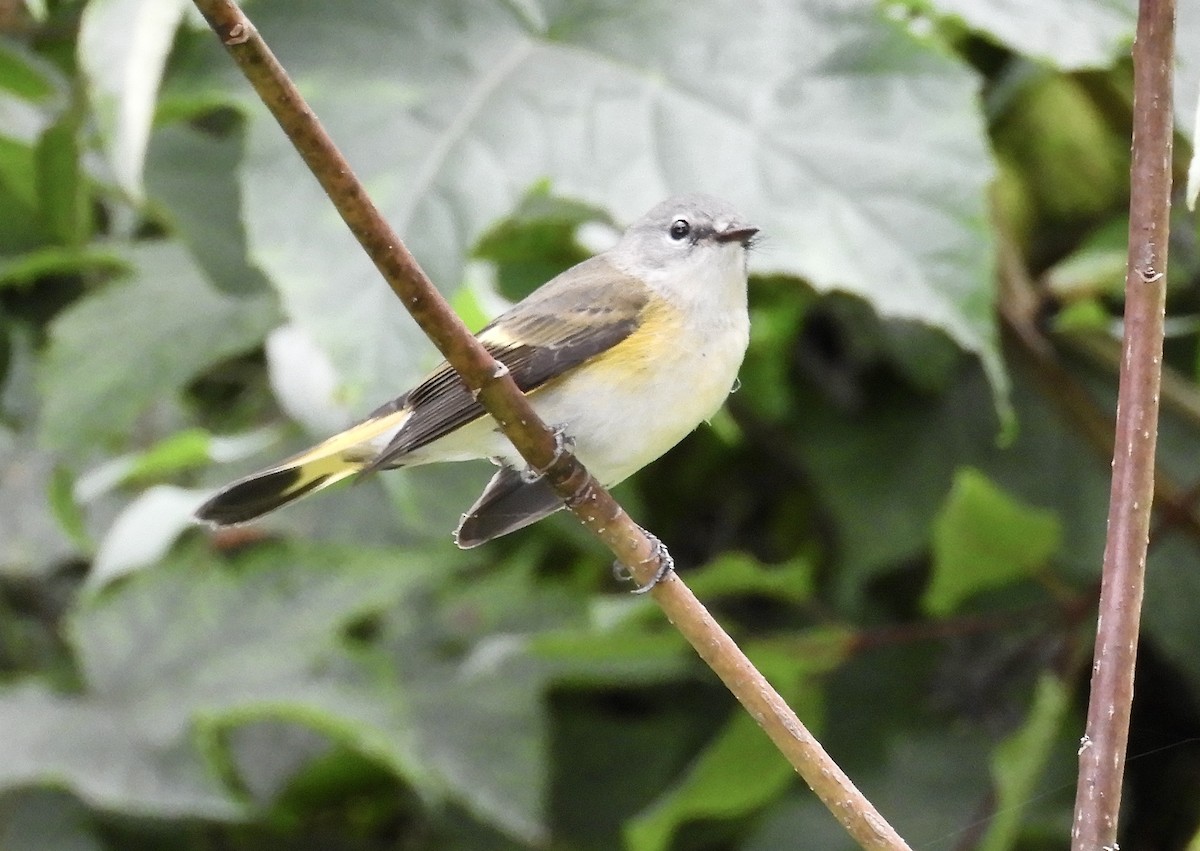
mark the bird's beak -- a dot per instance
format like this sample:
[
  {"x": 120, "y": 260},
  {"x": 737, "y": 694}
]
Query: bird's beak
[{"x": 737, "y": 234}]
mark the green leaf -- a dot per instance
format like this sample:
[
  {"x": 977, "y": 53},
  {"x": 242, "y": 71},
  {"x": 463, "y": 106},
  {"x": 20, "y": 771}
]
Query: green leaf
[
  {"x": 174, "y": 656},
  {"x": 1100, "y": 30},
  {"x": 23, "y": 270},
  {"x": 883, "y": 469},
  {"x": 1019, "y": 761},
  {"x": 184, "y": 450},
  {"x": 1086, "y": 315},
  {"x": 116, "y": 352},
  {"x": 984, "y": 539},
  {"x": 858, "y": 149},
  {"x": 37, "y": 8},
  {"x": 1074, "y": 136},
  {"x": 536, "y": 242},
  {"x": 123, "y": 46},
  {"x": 742, "y": 770},
  {"x": 61, "y": 185},
  {"x": 739, "y": 573},
  {"x": 735, "y": 775},
  {"x": 33, "y": 93},
  {"x": 25, "y": 75},
  {"x": 66, "y": 509},
  {"x": 1169, "y": 613},
  {"x": 617, "y": 658},
  {"x": 1095, "y": 268},
  {"x": 181, "y": 451},
  {"x": 21, "y": 228}
]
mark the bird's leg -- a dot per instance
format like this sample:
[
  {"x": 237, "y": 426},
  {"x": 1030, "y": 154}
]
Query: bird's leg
[
  {"x": 666, "y": 564},
  {"x": 562, "y": 443}
]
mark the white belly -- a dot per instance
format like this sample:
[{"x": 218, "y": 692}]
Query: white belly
[{"x": 620, "y": 422}]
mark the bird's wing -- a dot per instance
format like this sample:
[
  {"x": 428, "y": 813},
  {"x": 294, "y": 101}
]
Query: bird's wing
[{"x": 566, "y": 322}]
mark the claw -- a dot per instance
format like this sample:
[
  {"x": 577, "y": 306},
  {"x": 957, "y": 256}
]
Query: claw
[
  {"x": 562, "y": 443},
  {"x": 666, "y": 565}
]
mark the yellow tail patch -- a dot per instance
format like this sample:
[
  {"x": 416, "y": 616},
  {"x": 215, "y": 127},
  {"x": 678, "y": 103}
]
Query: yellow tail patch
[{"x": 330, "y": 461}]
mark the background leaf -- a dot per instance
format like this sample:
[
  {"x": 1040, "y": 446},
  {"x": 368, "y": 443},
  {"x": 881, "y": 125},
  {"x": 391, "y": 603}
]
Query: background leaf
[
  {"x": 1070, "y": 35},
  {"x": 180, "y": 306},
  {"x": 103, "y": 369},
  {"x": 141, "y": 733},
  {"x": 123, "y": 46},
  {"x": 829, "y": 148},
  {"x": 983, "y": 540}
]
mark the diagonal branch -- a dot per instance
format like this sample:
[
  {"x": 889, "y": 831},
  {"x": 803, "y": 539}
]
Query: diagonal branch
[
  {"x": 1102, "y": 752},
  {"x": 499, "y": 395}
]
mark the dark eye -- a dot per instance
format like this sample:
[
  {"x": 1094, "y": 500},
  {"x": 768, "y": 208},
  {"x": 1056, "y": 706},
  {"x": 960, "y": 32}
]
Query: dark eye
[{"x": 680, "y": 228}]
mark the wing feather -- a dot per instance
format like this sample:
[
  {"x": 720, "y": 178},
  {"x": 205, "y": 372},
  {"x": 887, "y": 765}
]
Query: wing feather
[{"x": 566, "y": 322}]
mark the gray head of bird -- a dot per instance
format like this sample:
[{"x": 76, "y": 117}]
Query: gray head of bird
[{"x": 689, "y": 245}]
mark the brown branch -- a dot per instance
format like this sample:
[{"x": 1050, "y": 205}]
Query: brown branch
[
  {"x": 499, "y": 395},
  {"x": 1102, "y": 751}
]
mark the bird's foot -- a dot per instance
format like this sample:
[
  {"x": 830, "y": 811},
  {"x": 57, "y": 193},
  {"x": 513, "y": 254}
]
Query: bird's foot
[
  {"x": 666, "y": 565},
  {"x": 563, "y": 443}
]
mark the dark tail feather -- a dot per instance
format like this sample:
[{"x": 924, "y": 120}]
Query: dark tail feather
[
  {"x": 330, "y": 461},
  {"x": 255, "y": 495},
  {"x": 507, "y": 504}
]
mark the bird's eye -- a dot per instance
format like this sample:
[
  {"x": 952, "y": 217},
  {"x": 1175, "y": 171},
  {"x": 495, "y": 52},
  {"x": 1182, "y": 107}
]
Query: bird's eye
[{"x": 680, "y": 228}]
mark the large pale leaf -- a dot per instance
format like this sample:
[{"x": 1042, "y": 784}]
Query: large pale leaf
[
  {"x": 30, "y": 540},
  {"x": 476, "y": 694},
  {"x": 1068, "y": 34},
  {"x": 179, "y": 652},
  {"x": 123, "y": 45},
  {"x": 193, "y": 175},
  {"x": 137, "y": 341},
  {"x": 857, "y": 148},
  {"x": 45, "y": 821},
  {"x": 1187, "y": 73},
  {"x": 174, "y": 658}
]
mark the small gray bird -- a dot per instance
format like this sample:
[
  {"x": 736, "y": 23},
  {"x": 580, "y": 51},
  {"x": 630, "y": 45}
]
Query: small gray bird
[{"x": 626, "y": 353}]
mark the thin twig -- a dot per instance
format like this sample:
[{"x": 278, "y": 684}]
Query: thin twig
[
  {"x": 499, "y": 395},
  {"x": 1102, "y": 751}
]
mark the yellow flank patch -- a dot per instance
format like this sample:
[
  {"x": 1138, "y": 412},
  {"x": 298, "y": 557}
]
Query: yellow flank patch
[{"x": 659, "y": 334}]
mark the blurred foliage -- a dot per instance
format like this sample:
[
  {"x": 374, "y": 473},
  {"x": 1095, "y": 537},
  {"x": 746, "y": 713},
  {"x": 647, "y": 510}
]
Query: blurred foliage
[{"x": 899, "y": 515}]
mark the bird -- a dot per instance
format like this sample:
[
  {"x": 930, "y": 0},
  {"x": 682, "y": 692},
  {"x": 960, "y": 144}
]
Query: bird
[{"x": 624, "y": 354}]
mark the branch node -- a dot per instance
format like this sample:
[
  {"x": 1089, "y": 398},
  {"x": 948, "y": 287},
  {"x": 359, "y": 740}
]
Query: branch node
[{"x": 239, "y": 33}]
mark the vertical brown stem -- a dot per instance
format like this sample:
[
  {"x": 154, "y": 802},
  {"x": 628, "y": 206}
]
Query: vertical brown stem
[{"x": 1102, "y": 751}]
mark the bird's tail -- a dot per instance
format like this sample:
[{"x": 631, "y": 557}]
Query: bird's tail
[{"x": 328, "y": 462}]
